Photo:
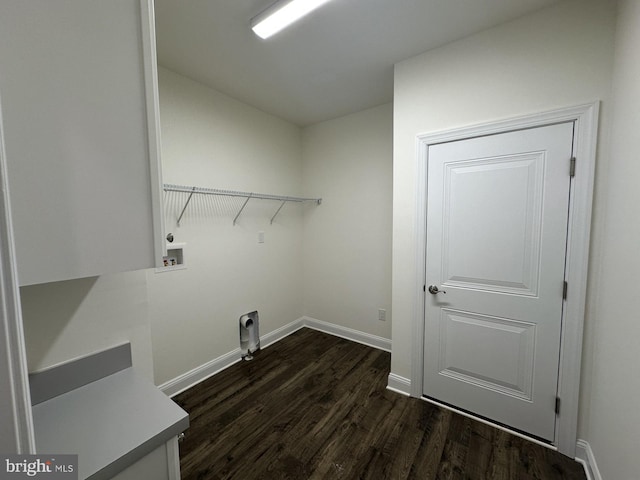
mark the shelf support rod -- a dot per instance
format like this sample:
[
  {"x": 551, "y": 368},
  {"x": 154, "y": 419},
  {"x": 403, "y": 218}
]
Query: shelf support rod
[
  {"x": 186, "y": 204},
  {"x": 242, "y": 208},
  {"x": 277, "y": 211}
]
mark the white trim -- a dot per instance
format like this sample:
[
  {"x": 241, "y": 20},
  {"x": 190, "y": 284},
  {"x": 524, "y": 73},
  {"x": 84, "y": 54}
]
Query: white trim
[
  {"x": 399, "y": 384},
  {"x": 374, "y": 341},
  {"x": 584, "y": 455},
  {"x": 280, "y": 333},
  {"x": 173, "y": 459},
  {"x": 585, "y": 139},
  {"x": 16, "y": 398},
  {"x": 586, "y": 122},
  {"x": 150, "y": 64},
  {"x": 417, "y": 348},
  {"x": 193, "y": 377},
  {"x": 199, "y": 374}
]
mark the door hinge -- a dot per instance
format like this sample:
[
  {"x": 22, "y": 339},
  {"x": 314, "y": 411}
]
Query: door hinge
[
  {"x": 572, "y": 167},
  {"x": 557, "y": 405},
  {"x": 565, "y": 288}
]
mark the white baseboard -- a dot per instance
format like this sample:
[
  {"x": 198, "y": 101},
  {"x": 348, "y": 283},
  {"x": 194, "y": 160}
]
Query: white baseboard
[
  {"x": 193, "y": 377},
  {"x": 584, "y": 455},
  {"x": 399, "y": 384},
  {"x": 280, "y": 333},
  {"x": 374, "y": 341},
  {"x": 201, "y": 373}
]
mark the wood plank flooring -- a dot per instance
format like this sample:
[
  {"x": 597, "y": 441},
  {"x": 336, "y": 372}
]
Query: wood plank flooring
[{"x": 315, "y": 406}]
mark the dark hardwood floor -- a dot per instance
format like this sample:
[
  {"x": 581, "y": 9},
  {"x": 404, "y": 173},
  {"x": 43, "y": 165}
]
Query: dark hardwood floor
[{"x": 315, "y": 406}]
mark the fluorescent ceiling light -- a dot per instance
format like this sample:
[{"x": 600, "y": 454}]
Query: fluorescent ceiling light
[{"x": 282, "y": 14}]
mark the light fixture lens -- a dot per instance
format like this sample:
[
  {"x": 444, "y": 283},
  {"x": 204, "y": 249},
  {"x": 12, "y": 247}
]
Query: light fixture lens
[{"x": 281, "y": 15}]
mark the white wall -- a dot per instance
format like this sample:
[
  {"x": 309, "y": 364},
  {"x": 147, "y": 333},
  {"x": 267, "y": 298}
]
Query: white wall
[
  {"x": 557, "y": 57},
  {"x": 347, "y": 240},
  {"x": 210, "y": 140},
  {"x": 613, "y": 422},
  {"x": 66, "y": 320}
]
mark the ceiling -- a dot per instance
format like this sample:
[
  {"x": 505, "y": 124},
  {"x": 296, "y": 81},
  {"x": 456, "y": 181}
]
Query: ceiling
[{"x": 336, "y": 61}]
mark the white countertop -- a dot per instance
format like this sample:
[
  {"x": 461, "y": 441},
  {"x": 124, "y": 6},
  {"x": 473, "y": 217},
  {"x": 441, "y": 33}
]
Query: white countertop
[{"x": 110, "y": 423}]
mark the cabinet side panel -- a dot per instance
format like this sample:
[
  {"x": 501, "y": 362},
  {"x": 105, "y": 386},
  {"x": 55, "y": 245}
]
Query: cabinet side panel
[{"x": 154, "y": 465}]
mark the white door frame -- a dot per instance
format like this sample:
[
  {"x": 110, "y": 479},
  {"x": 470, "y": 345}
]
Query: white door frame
[
  {"x": 15, "y": 415},
  {"x": 586, "y": 124}
]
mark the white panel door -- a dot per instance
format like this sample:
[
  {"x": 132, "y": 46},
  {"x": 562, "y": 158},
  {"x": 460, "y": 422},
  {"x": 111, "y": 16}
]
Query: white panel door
[{"x": 497, "y": 209}]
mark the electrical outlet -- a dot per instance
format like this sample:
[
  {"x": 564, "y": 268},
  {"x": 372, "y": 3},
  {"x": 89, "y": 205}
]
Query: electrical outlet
[
  {"x": 382, "y": 314},
  {"x": 260, "y": 237}
]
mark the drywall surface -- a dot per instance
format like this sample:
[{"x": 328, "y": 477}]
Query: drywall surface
[
  {"x": 614, "y": 418},
  {"x": 210, "y": 140},
  {"x": 557, "y": 57},
  {"x": 347, "y": 240},
  {"x": 74, "y": 318}
]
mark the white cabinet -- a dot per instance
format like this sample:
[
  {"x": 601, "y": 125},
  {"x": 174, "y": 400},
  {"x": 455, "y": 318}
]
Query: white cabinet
[
  {"x": 79, "y": 106},
  {"x": 163, "y": 463},
  {"x": 117, "y": 422}
]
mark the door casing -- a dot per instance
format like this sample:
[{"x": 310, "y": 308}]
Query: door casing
[{"x": 580, "y": 207}]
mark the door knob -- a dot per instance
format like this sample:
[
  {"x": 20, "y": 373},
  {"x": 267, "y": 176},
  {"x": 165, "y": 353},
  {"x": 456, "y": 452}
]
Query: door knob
[{"x": 433, "y": 290}]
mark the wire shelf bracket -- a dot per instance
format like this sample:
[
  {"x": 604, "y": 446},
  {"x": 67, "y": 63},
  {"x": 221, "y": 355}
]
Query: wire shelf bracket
[{"x": 233, "y": 193}]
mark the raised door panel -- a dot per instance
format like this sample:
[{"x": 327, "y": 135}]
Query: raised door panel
[
  {"x": 491, "y": 223},
  {"x": 491, "y": 352}
]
